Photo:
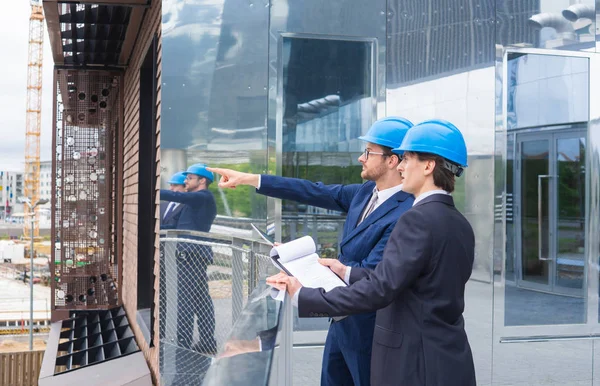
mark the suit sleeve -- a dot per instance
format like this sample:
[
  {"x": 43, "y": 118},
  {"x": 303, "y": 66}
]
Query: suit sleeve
[
  {"x": 193, "y": 199},
  {"x": 404, "y": 258},
  {"x": 375, "y": 256},
  {"x": 358, "y": 273},
  {"x": 334, "y": 197}
]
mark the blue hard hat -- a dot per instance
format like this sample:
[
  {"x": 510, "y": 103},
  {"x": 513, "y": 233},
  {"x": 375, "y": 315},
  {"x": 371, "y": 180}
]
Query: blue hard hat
[
  {"x": 177, "y": 179},
  {"x": 388, "y": 131},
  {"x": 438, "y": 137},
  {"x": 200, "y": 170}
]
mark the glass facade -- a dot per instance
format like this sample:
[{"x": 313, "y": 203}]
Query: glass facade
[{"x": 286, "y": 88}]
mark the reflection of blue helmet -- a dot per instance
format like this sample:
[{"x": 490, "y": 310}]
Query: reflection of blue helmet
[
  {"x": 388, "y": 131},
  {"x": 200, "y": 170},
  {"x": 177, "y": 179},
  {"x": 438, "y": 137}
]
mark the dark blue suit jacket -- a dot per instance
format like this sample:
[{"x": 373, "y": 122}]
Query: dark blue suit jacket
[
  {"x": 199, "y": 210},
  {"x": 418, "y": 290},
  {"x": 196, "y": 214},
  {"x": 361, "y": 246},
  {"x": 170, "y": 221}
]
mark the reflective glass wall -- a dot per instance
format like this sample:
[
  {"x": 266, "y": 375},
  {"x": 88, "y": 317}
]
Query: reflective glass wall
[
  {"x": 214, "y": 95},
  {"x": 286, "y": 88},
  {"x": 213, "y": 111},
  {"x": 545, "y": 325}
]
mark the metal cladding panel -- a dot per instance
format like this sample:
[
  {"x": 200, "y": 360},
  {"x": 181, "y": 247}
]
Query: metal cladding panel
[{"x": 83, "y": 212}]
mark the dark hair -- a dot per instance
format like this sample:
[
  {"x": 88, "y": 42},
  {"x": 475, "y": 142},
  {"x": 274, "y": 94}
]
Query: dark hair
[
  {"x": 442, "y": 177},
  {"x": 387, "y": 152}
]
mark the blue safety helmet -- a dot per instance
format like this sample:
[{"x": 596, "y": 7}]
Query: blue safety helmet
[
  {"x": 438, "y": 137},
  {"x": 177, "y": 179},
  {"x": 200, "y": 170},
  {"x": 387, "y": 131}
]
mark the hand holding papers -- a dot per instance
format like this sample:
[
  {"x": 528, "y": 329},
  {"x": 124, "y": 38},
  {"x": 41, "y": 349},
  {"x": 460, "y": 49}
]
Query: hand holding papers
[{"x": 298, "y": 258}]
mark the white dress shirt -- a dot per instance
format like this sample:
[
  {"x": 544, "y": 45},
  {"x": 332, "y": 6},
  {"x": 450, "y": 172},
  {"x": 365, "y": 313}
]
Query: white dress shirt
[{"x": 423, "y": 196}]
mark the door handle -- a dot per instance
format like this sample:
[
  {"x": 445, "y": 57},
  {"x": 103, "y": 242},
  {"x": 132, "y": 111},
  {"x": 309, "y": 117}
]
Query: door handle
[{"x": 540, "y": 218}]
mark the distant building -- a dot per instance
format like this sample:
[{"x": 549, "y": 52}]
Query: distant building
[
  {"x": 46, "y": 180},
  {"x": 11, "y": 188}
]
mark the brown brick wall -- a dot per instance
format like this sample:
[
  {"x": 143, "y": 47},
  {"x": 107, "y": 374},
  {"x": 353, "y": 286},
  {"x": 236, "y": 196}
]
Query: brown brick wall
[{"x": 151, "y": 25}]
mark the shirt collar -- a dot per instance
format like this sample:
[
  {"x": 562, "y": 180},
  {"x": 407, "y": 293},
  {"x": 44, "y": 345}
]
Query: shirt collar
[
  {"x": 423, "y": 196},
  {"x": 383, "y": 195}
]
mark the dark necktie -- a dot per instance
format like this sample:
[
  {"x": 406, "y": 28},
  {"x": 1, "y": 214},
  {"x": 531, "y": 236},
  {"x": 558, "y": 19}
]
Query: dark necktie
[{"x": 370, "y": 207}]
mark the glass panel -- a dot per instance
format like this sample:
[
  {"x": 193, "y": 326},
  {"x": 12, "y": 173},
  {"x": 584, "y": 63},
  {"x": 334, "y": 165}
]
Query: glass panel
[
  {"x": 550, "y": 289},
  {"x": 213, "y": 110},
  {"x": 534, "y": 164},
  {"x": 242, "y": 361},
  {"x": 545, "y": 245},
  {"x": 557, "y": 84},
  {"x": 213, "y": 99},
  {"x": 328, "y": 104},
  {"x": 570, "y": 257}
]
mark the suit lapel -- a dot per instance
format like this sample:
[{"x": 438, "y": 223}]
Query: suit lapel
[
  {"x": 173, "y": 212},
  {"x": 354, "y": 214},
  {"x": 389, "y": 205}
]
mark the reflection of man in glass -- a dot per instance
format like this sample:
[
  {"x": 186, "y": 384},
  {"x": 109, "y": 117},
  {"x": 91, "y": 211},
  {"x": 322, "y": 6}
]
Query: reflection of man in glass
[
  {"x": 373, "y": 209},
  {"x": 193, "y": 299},
  {"x": 170, "y": 211}
]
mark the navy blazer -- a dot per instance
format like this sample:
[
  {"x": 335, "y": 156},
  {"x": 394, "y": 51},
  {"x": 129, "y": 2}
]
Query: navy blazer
[
  {"x": 418, "y": 290},
  {"x": 196, "y": 214},
  {"x": 170, "y": 221},
  {"x": 361, "y": 246},
  {"x": 199, "y": 210}
]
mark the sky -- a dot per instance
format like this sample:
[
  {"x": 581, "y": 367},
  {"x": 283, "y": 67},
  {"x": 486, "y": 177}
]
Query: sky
[{"x": 14, "y": 35}]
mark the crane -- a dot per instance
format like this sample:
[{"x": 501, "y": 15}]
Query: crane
[{"x": 34, "y": 115}]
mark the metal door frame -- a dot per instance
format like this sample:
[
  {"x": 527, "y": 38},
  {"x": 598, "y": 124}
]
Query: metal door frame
[{"x": 591, "y": 328}]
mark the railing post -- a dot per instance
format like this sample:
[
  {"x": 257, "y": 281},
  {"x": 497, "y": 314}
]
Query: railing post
[
  {"x": 237, "y": 283},
  {"x": 286, "y": 342},
  {"x": 252, "y": 270}
]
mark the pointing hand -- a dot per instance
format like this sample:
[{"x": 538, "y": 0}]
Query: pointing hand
[{"x": 232, "y": 178}]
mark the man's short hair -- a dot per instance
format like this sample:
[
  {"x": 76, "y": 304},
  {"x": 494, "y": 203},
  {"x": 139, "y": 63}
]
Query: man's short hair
[{"x": 442, "y": 177}]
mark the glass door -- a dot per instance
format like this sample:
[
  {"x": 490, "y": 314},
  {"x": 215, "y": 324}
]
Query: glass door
[
  {"x": 546, "y": 100},
  {"x": 550, "y": 207},
  {"x": 569, "y": 223}
]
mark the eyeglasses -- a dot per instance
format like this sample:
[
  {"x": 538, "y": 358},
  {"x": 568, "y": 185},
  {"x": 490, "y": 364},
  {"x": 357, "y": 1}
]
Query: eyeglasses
[{"x": 367, "y": 152}]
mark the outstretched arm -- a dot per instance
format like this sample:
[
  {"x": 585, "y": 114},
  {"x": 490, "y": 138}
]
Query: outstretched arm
[
  {"x": 334, "y": 197},
  {"x": 194, "y": 199}
]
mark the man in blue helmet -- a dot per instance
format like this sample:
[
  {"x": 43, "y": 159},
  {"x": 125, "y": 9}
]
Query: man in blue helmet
[
  {"x": 373, "y": 209},
  {"x": 197, "y": 214},
  {"x": 418, "y": 288},
  {"x": 170, "y": 211}
]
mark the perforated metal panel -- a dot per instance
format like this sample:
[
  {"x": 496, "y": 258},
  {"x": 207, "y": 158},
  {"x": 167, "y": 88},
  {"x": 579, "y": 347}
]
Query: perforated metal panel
[{"x": 88, "y": 106}]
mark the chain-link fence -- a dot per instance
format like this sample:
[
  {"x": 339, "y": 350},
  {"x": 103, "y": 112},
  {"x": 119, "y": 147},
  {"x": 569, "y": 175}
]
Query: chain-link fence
[{"x": 204, "y": 285}]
